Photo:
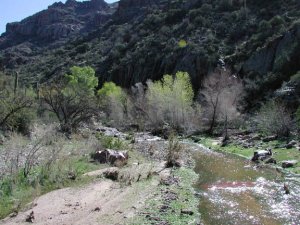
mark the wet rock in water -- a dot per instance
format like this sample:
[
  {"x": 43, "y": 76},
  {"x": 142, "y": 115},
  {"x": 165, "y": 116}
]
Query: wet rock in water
[
  {"x": 289, "y": 163},
  {"x": 286, "y": 189},
  {"x": 187, "y": 212},
  {"x": 269, "y": 138},
  {"x": 115, "y": 158},
  {"x": 30, "y": 217},
  {"x": 271, "y": 160}
]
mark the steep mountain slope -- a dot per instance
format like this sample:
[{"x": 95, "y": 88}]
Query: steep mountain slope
[
  {"x": 51, "y": 28},
  {"x": 144, "y": 39}
]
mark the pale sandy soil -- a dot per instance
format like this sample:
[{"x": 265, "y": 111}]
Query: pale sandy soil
[{"x": 71, "y": 206}]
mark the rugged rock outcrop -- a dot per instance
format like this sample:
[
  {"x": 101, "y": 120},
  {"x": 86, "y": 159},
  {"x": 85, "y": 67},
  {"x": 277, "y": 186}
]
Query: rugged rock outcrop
[
  {"x": 131, "y": 8},
  {"x": 58, "y": 21},
  {"x": 280, "y": 55}
]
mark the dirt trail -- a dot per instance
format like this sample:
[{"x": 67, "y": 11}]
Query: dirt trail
[{"x": 104, "y": 202}]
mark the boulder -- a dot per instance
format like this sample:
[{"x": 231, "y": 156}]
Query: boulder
[
  {"x": 291, "y": 144},
  {"x": 288, "y": 163},
  {"x": 261, "y": 155},
  {"x": 115, "y": 158}
]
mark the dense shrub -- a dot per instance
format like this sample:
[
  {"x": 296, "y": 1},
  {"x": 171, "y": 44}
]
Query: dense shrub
[{"x": 274, "y": 118}]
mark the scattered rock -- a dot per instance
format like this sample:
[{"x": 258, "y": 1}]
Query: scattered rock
[
  {"x": 224, "y": 142},
  {"x": 115, "y": 158},
  {"x": 30, "y": 217},
  {"x": 111, "y": 173},
  {"x": 187, "y": 212},
  {"x": 174, "y": 163},
  {"x": 269, "y": 138},
  {"x": 286, "y": 189},
  {"x": 271, "y": 160},
  {"x": 164, "y": 208},
  {"x": 196, "y": 139},
  {"x": 291, "y": 144},
  {"x": 14, "y": 214},
  {"x": 289, "y": 163},
  {"x": 255, "y": 137},
  {"x": 72, "y": 176}
]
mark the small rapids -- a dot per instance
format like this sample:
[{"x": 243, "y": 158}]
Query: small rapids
[{"x": 232, "y": 190}]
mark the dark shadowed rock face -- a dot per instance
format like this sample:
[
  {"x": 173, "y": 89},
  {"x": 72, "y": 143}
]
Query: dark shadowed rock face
[
  {"x": 281, "y": 55},
  {"x": 58, "y": 21},
  {"x": 129, "y": 9}
]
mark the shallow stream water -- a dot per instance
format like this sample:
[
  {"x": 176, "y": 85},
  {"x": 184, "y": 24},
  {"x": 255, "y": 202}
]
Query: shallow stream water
[{"x": 233, "y": 190}]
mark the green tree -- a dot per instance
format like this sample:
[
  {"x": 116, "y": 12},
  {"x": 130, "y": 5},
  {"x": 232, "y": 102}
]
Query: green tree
[{"x": 73, "y": 99}]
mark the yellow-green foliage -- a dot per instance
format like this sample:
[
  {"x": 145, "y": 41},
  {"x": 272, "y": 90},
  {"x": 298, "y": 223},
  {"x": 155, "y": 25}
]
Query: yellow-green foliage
[
  {"x": 110, "y": 89},
  {"x": 113, "y": 99},
  {"x": 182, "y": 43},
  {"x": 81, "y": 79},
  {"x": 170, "y": 100}
]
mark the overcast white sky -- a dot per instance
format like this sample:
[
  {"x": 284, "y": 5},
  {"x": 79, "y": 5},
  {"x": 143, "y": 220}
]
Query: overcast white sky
[{"x": 16, "y": 10}]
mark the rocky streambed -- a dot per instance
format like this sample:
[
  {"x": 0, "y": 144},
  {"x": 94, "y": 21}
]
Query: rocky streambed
[{"x": 233, "y": 190}]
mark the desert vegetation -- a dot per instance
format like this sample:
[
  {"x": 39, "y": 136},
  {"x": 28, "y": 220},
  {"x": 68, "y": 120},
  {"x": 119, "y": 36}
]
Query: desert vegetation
[{"x": 122, "y": 97}]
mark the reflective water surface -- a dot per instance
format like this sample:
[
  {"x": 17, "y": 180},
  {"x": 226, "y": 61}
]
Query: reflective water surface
[{"x": 232, "y": 190}]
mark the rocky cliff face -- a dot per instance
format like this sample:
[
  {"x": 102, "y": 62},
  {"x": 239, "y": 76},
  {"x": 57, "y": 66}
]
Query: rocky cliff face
[
  {"x": 57, "y": 22},
  {"x": 280, "y": 55},
  {"x": 129, "y": 9}
]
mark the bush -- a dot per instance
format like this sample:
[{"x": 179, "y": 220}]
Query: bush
[
  {"x": 15, "y": 105},
  {"x": 274, "y": 118},
  {"x": 174, "y": 151}
]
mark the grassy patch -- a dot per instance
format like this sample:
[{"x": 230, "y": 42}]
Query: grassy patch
[
  {"x": 185, "y": 200},
  {"x": 279, "y": 153}
]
